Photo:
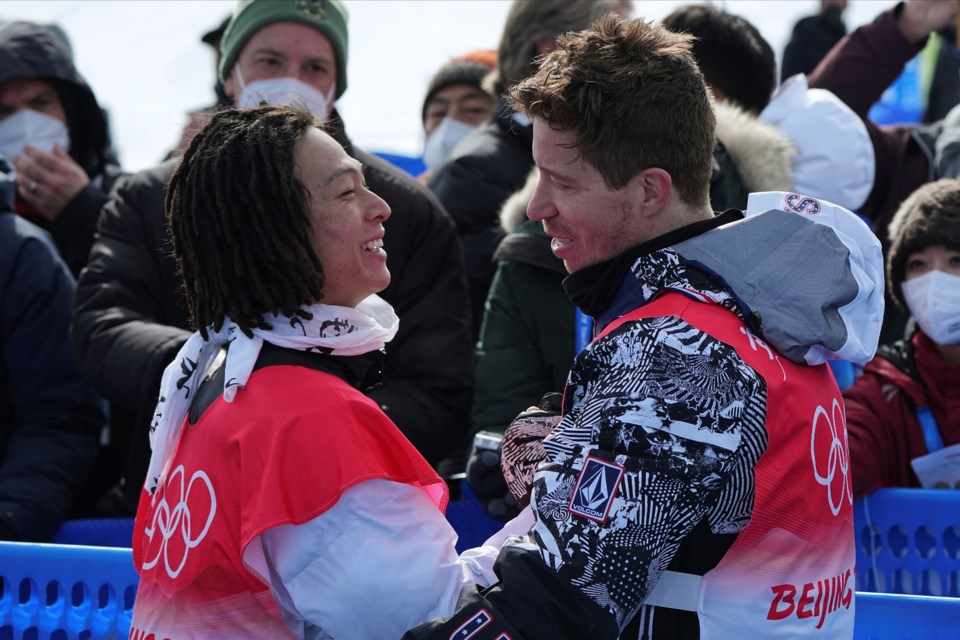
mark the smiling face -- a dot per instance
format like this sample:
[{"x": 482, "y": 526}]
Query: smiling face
[
  {"x": 346, "y": 220},
  {"x": 587, "y": 221},
  {"x": 286, "y": 50}
]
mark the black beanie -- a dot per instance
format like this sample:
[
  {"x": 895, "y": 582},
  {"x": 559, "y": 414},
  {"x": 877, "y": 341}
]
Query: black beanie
[
  {"x": 457, "y": 71},
  {"x": 929, "y": 216}
]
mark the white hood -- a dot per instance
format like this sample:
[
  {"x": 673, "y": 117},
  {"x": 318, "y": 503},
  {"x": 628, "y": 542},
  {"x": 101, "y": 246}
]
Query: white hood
[
  {"x": 835, "y": 159},
  {"x": 810, "y": 271}
]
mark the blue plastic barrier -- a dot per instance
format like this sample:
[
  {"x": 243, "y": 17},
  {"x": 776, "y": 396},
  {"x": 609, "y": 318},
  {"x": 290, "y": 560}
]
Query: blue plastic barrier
[
  {"x": 96, "y": 532},
  {"x": 65, "y": 592},
  {"x": 884, "y": 616},
  {"x": 908, "y": 542},
  {"x": 469, "y": 520},
  {"x": 411, "y": 164},
  {"x": 466, "y": 514}
]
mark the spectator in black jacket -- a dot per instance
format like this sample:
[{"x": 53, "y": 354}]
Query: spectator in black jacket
[
  {"x": 55, "y": 133},
  {"x": 50, "y": 418},
  {"x": 492, "y": 162},
  {"x": 812, "y": 39},
  {"x": 131, "y": 319}
]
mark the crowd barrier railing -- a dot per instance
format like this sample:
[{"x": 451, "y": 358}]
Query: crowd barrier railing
[
  {"x": 906, "y": 539},
  {"x": 908, "y": 542}
]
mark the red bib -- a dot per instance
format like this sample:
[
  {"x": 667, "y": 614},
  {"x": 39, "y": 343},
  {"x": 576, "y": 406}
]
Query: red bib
[
  {"x": 283, "y": 452},
  {"x": 790, "y": 572}
]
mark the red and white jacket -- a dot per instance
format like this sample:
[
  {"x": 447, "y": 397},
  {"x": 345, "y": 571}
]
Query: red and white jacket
[{"x": 297, "y": 510}]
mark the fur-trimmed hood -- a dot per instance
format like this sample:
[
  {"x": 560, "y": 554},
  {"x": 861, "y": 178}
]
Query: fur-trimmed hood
[
  {"x": 514, "y": 210},
  {"x": 762, "y": 155}
]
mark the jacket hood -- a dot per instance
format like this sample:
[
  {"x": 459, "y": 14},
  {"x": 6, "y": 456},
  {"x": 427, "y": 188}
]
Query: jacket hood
[
  {"x": 29, "y": 50},
  {"x": 807, "y": 273},
  {"x": 834, "y": 157},
  {"x": 761, "y": 154}
]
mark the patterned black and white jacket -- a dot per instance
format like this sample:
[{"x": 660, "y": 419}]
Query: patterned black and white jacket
[{"x": 685, "y": 494}]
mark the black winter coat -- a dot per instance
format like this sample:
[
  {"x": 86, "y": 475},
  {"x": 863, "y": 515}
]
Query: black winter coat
[
  {"x": 485, "y": 169},
  {"x": 50, "y": 419},
  {"x": 131, "y": 318}
]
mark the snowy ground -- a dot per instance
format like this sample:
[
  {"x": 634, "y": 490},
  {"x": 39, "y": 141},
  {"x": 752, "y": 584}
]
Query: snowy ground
[{"x": 145, "y": 61}]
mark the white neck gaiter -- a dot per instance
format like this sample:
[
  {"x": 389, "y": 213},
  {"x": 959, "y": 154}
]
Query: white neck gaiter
[{"x": 339, "y": 331}]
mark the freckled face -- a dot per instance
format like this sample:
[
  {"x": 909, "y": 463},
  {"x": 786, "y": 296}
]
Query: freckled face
[{"x": 587, "y": 221}]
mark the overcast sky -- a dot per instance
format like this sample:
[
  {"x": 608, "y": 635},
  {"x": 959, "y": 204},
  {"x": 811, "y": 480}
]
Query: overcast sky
[{"x": 147, "y": 66}]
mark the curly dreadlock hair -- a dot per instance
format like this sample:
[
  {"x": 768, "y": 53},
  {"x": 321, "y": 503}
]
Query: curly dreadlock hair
[{"x": 239, "y": 220}]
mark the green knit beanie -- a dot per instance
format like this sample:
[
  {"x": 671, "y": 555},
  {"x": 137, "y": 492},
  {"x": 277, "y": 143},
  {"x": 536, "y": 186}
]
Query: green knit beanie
[{"x": 329, "y": 17}]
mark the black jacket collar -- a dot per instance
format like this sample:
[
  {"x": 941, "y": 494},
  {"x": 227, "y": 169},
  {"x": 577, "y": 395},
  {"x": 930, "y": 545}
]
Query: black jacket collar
[
  {"x": 363, "y": 372},
  {"x": 594, "y": 288}
]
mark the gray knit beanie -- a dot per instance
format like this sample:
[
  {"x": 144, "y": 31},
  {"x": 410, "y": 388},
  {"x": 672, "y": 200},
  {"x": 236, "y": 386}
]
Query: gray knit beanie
[{"x": 929, "y": 216}]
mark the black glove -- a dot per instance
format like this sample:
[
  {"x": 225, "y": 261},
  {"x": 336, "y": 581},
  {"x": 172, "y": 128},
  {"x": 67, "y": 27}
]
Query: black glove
[
  {"x": 486, "y": 468},
  {"x": 486, "y": 479},
  {"x": 531, "y": 602}
]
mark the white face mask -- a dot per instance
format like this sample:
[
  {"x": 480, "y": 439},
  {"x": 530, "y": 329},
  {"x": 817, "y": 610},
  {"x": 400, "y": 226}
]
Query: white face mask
[
  {"x": 284, "y": 92},
  {"x": 442, "y": 141},
  {"x": 34, "y": 128},
  {"x": 934, "y": 300}
]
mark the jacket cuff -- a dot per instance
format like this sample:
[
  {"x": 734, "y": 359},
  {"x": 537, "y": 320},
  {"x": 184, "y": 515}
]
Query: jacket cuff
[
  {"x": 531, "y": 602},
  {"x": 476, "y": 618}
]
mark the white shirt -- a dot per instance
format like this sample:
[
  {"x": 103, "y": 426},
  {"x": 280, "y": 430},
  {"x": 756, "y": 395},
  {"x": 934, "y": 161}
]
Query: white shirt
[{"x": 381, "y": 561}]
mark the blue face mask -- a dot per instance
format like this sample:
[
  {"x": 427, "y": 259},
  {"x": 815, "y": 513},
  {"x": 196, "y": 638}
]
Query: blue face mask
[{"x": 34, "y": 128}]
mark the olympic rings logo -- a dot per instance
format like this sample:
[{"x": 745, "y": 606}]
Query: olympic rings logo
[
  {"x": 168, "y": 521},
  {"x": 837, "y": 484}
]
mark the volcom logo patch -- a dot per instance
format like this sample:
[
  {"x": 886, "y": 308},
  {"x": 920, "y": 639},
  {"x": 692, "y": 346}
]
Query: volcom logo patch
[
  {"x": 595, "y": 489},
  {"x": 472, "y": 626}
]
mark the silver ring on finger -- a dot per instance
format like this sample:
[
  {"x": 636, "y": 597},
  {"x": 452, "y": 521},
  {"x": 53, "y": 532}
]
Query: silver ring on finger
[{"x": 32, "y": 187}]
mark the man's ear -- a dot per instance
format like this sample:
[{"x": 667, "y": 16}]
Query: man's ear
[{"x": 652, "y": 190}]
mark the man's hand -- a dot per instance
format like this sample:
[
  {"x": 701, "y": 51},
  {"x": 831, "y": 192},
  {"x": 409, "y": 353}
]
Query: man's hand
[
  {"x": 48, "y": 181},
  {"x": 919, "y": 18}
]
